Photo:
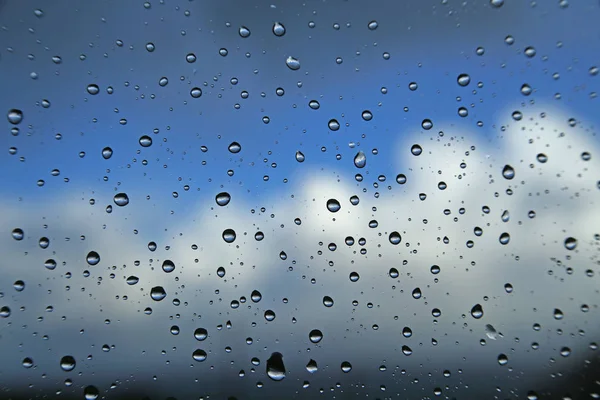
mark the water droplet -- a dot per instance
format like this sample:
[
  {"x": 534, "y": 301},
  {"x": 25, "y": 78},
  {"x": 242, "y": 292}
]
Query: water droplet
[
  {"x": 234, "y": 147},
  {"x": 200, "y": 334},
  {"x": 333, "y": 125},
  {"x": 314, "y": 104},
  {"x": 565, "y": 352},
  {"x": 360, "y": 160},
  {"x": 401, "y": 179},
  {"x": 367, "y": 115},
  {"x": 19, "y": 286},
  {"x": 93, "y": 258},
  {"x": 67, "y": 363},
  {"x": 504, "y": 238},
  {"x": 199, "y": 355},
  {"x": 50, "y": 264},
  {"x": 312, "y": 367},
  {"x": 244, "y": 32},
  {"x": 190, "y": 57},
  {"x": 150, "y": 47},
  {"x": 168, "y": 266},
  {"x": 315, "y": 336},
  {"x": 542, "y": 158},
  {"x": 502, "y": 359},
  {"x": 5, "y": 312},
  {"x": 223, "y": 199},
  {"x": 107, "y": 153},
  {"x": 223, "y": 52},
  {"x": 346, "y": 367},
  {"x": 132, "y": 280},
  {"x": 18, "y": 234},
  {"x": 427, "y": 124},
  {"x": 496, "y": 3},
  {"x": 570, "y": 243},
  {"x": 292, "y": 63},
  {"x": 354, "y": 277},
  {"x": 373, "y": 25},
  {"x": 93, "y": 89},
  {"x": 278, "y": 29},
  {"x": 14, "y": 116},
  {"x": 157, "y": 293},
  {"x": 491, "y": 333},
  {"x": 327, "y": 301},
  {"x": 90, "y": 392},
  {"x": 416, "y": 150},
  {"x": 463, "y": 80},
  {"x": 477, "y": 311},
  {"x": 407, "y": 351},
  {"x": 558, "y": 314},
  {"x": 269, "y": 315},
  {"x": 530, "y": 52},
  {"x": 395, "y": 238},
  {"x": 145, "y": 141},
  {"x": 255, "y": 296},
  {"x": 229, "y": 235},
  {"x": 508, "y": 172},
  {"x": 275, "y": 367},
  {"x": 333, "y": 205},
  {"x": 299, "y": 156},
  {"x": 416, "y": 293},
  {"x": 164, "y": 81},
  {"x": 393, "y": 273},
  {"x": 196, "y": 92},
  {"x": 526, "y": 89},
  {"x": 480, "y": 51},
  {"x": 517, "y": 115},
  {"x": 121, "y": 199}
]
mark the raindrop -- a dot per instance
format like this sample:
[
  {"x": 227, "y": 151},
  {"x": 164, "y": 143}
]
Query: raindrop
[
  {"x": 93, "y": 258},
  {"x": 346, "y": 367},
  {"x": 258, "y": 236},
  {"x": 93, "y": 89},
  {"x": 223, "y": 198},
  {"x": 5, "y": 312},
  {"x": 168, "y": 266},
  {"x": 278, "y": 29},
  {"x": 367, "y": 115},
  {"x": 373, "y": 25},
  {"x": 90, "y": 392},
  {"x": 157, "y": 293},
  {"x": 275, "y": 367},
  {"x": 327, "y": 301},
  {"x": 220, "y": 272},
  {"x": 333, "y": 125},
  {"x": 244, "y": 32},
  {"x": 314, "y": 104},
  {"x": 413, "y": 86},
  {"x": 315, "y": 336},
  {"x": 395, "y": 238},
  {"x": 121, "y": 199},
  {"x": 196, "y": 92},
  {"x": 542, "y": 158},
  {"x": 360, "y": 160},
  {"x": 416, "y": 293},
  {"x": 107, "y": 153},
  {"x": 67, "y": 363},
  {"x": 333, "y": 205},
  {"x": 504, "y": 238},
  {"x": 502, "y": 359},
  {"x": 570, "y": 243},
  {"x": 526, "y": 90},
  {"x": 393, "y": 272},
  {"x": 292, "y": 63},
  {"x": 164, "y": 81},
  {"x": 311, "y": 367},
  {"x": 132, "y": 280},
  {"x": 401, "y": 179},
  {"x": 152, "y": 246},
  {"x": 269, "y": 315},
  {"x": 229, "y": 235},
  {"x": 354, "y": 277},
  {"x": 18, "y": 234},
  {"x": 50, "y": 264},
  {"x": 150, "y": 47},
  {"x": 255, "y": 296},
  {"x": 463, "y": 80},
  {"x": 477, "y": 311},
  {"x": 558, "y": 314},
  {"x": 354, "y": 200},
  {"x": 407, "y": 351},
  {"x": 145, "y": 141},
  {"x": 299, "y": 156},
  {"x": 19, "y": 286},
  {"x": 14, "y": 116},
  {"x": 200, "y": 334},
  {"x": 234, "y": 147},
  {"x": 416, "y": 150},
  {"x": 199, "y": 355},
  {"x": 530, "y": 52},
  {"x": 427, "y": 124},
  {"x": 508, "y": 172},
  {"x": 496, "y": 3}
]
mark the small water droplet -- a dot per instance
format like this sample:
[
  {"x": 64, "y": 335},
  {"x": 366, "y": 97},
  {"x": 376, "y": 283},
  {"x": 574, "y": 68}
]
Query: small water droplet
[
  {"x": 67, "y": 363},
  {"x": 199, "y": 355},
  {"x": 530, "y": 52},
  {"x": 145, "y": 141},
  {"x": 407, "y": 351},
  {"x": 19, "y": 286},
  {"x": 312, "y": 367},
  {"x": 255, "y": 296},
  {"x": 314, "y": 104},
  {"x": 315, "y": 336},
  {"x": 292, "y": 63},
  {"x": 91, "y": 392},
  {"x": 526, "y": 89},
  {"x": 150, "y": 47},
  {"x": 463, "y": 80},
  {"x": 107, "y": 153},
  {"x": 327, "y": 301},
  {"x": 354, "y": 277},
  {"x": 5, "y": 312},
  {"x": 360, "y": 160},
  {"x": 164, "y": 81},
  {"x": 200, "y": 334},
  {"x": 244, "y": 32},
  {"x": 401, "y": 179},
  {"x": 190, "y": 58},
  {"x": 373, "y": 25},
  {"x": 367, "y": 115},
  {"x": 14, "y": 116},
  {"x": 333, "y": 205},
  {"x": 132, "y": 280},
  {"x": 508, "y": 172},
  {"x": 496, "y": 3},
  {"x": 346, "y": 367},
  {"x": 393, "y": 273},
  {"x": 299, "y": 156},
  {"x": 416, "y": 293}
]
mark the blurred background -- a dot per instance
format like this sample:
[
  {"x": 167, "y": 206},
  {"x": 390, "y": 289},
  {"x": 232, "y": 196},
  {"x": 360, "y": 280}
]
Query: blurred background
[{"x": 320, "y": 199}]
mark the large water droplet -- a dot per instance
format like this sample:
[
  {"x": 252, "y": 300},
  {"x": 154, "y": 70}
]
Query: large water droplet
[
  {"x": 333, "y": 125},
  {"x": 67, "y": 363},
  {"x": 314, "y": 104},
  {"x": 346, "y": 367},
  {"x": 93, "y": 258},
  {"x": 255, "y": 296},
  {"x": 300, "y": 156},
  {"x": 132, "y": 280},
  {"x": 157, "y": 293},
  {"x": 504, "y": 238},
  {"x": 168, "y": 266},
  {"x": 360, "y": 160},
  {"x": 426, "y": 124},
  {"x": 416, "y": 293},
  {"x": 145, "y": 141},
  {"x": 407, "y": 351},
  {"x": 395, "y": 238},
  {"x": 14, "y": 116},
  {"x": 244, "y": 32},
  {"x": 278, "y": 29},
  {"x": 315, "y": 336},
  {"x": 416, "y": 150},
  {"x": 333, "y": 205},
  {"x": 229, "y": 235},
  {"x": 508, "y": 172},
  {"x": 93, "y": 89},
  {"x": 373, "y": 25},
  {"x": 463, "y": 80},
  {"x": 401, "y": 179},
  {"x": 496, "y": 3},
  {"x": 91, "y": 392},
  {"x": 196, "y": 92},
  {"x": 502, "y": 359},
  {"x": 121, "y": 199},
  {"x": 234, "y": 147},
  {"x": 107, "y": 153},
  {"x": 558, "y": 314},
  {"x": 269, "y": 315},
  {"x": 223, "y": 198},
  {"x": 477, "y": 311},
  {"x": 367, "y": 115},
  {"x": 5, "y": 312},
  {"x": 18, "y": 234},
  {"x": 570, "y": 243},
  {"x": 200, "y": 334},
  {"x": 292, "y": 63},
  {"x": 354, "y": 276},
  {"x": 199, "y": 355},
  {"x": 312, "y": 367},
  {"x": 19, "y": 286},
  {"x": 275, "y": 367},
  {"x": 327, "y": 301},
  {"x": 164, "y": 81}
]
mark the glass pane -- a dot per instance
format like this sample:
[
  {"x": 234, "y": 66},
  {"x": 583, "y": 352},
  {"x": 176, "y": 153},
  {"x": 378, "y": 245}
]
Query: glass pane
[{"x": 232, "y": 200}]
